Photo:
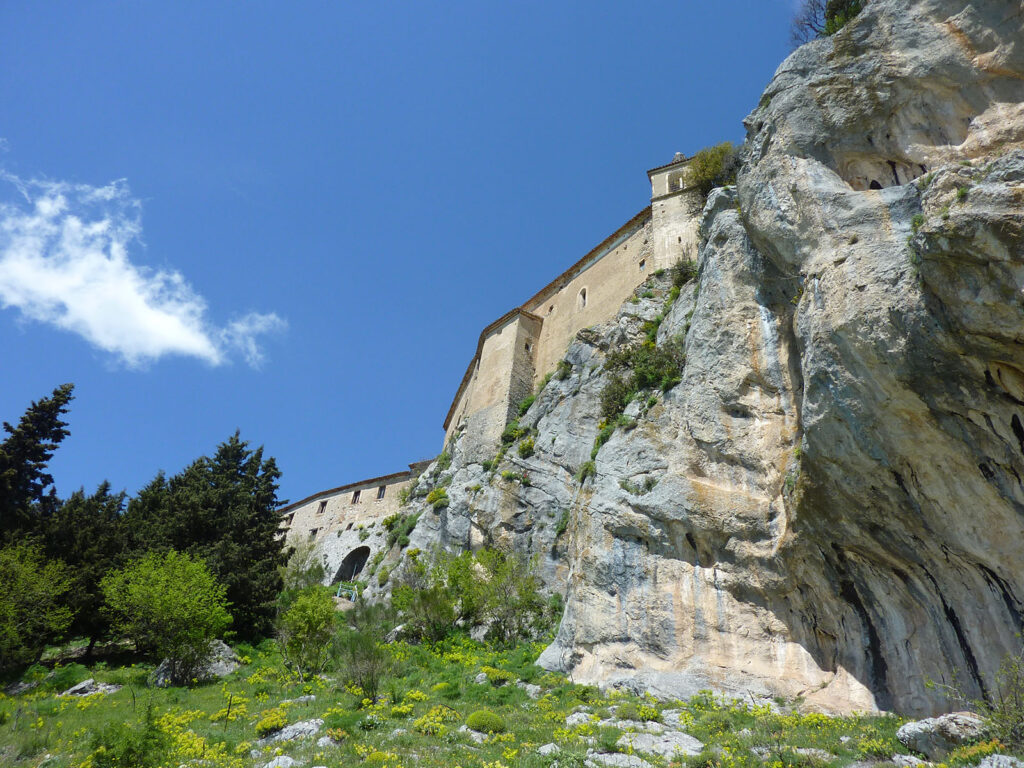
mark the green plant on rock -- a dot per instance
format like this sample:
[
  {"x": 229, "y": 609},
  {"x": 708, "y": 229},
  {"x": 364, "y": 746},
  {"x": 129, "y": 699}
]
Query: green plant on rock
[
  {"x": 563, "y": 521},
  {"x": 485, "y": 721},
  {"x": 513, "y": 432},
  {"x": 683, "y": 271},
  {"x": 444, "y": 460},
  {"x": 526, "y": 448},
  {"x": 713, "y": 167},
  {"x": 525, "y": 404},
  {"x": 587, "y": 469},
  {"x": 564, "y": 370},
  {"x": 438, "y": 499}
]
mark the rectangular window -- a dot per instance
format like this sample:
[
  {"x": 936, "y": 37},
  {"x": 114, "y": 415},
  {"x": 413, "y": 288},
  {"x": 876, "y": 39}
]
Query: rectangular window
[
  {"x": 312, "y": 533},
  {"x": 380, "y": 492},
  {"x": 355, "y": 497},
  {"x": 323, "y": 506}
]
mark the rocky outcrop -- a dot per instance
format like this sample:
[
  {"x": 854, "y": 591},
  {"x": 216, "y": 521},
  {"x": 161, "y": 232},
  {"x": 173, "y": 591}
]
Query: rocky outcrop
[
  {"x": 936, "y": 737},
  {"x": 830, "y": 504}
]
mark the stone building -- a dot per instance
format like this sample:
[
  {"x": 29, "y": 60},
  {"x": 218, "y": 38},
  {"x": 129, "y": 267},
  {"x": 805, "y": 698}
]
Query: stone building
[
  {"x": 513, "y": 354},
  {"x": 516, "y": 351}
]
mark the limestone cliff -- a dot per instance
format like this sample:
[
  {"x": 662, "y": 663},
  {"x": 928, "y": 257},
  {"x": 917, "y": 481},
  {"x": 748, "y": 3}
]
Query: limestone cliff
[{"x": 834, "y": 495}]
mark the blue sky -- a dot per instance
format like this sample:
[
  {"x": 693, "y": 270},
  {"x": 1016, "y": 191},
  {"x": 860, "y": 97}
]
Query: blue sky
[{"x": 293, "y": 219}]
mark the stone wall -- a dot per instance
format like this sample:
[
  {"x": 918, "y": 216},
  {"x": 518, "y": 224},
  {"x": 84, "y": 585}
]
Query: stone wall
[{"x": 337, "y": 522}]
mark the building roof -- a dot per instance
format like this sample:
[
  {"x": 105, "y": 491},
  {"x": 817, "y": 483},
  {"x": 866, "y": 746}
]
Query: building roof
[
  {"x": 679, "y": 159},
  {"x": 414, "y": 470}
]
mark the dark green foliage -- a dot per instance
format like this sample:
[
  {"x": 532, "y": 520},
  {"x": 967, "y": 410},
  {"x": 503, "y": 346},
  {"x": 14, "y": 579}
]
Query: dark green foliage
[
  {"x": 649, "y": 366},
  {"x": 438, "y": 499},
  {"x": 444, "y": 460},
  {"x": 24, "y": 454},
  {"x": 564, "y": 370},
  {"x": 563, "y": 522},
  {"x": 222, "y": 509},
  {"x": 683, "y": 271},
  {"x": 513, "y": 432},
  {"x": 307, "y": 632},
  {"x": 32, "y": 604},
  {"x": 524, "y": 406},
  {"x": 961, "y": 194},
  {"x": 588, "y": 469},
  {"x": 400, "y": 526},
  {"x": 126, "y": 745},
  {"x": 714, "y": 167},
  {"x": 85, "y": 532},
  {"x": 526, "y": 448},
  {"x": 821, "y": 18}
]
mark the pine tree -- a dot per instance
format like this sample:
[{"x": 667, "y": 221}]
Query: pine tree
[
  {"x": 26, "y": 492},
  {"x": 87, "y": 534}
]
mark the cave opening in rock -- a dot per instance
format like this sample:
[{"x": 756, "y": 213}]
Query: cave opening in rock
[{"x": 352, "y": 565}]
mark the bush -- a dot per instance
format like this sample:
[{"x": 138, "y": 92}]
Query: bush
[
  {"x": 32, "y": 609},
  {"x": 683, "y": 271},
  {"x": 306, "y": 632},
  {"x": 820, "y": 18},
  {"x": 512, "y": 433},
  {"x": 714, "y": 167},
  {"x": 124, "y": 745},
  {"x": 365, "y": 659},
  {"x": 524, "y": 406},
  {"x": 444, "y": 460},
  {"x": 563, "y": 520},
  {"x": 304, "y": 569},
  {"x": 169, "y": 602},
  {"x": 588, "y": 469},
  {"x": 400, "y": 526},
  {"x": 564, "y": 370},
  {"x": 615, "y": 396},
  {"x": 485, "y": 721},
  {"x": 438, "y": 499},
  {"x": 526, "y": 448}
]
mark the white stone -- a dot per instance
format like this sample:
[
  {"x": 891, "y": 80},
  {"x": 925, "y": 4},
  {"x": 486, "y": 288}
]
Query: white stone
[
  {"x": 935, "y": 737},
  {"x": 299, "y": 730},
  {"x": 548, "y": 749},
  {"x": 90, "y": 687},
  {"x": 669, "y": 745}
]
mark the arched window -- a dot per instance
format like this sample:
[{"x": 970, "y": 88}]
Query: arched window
[{"x": 583, "y": 298}]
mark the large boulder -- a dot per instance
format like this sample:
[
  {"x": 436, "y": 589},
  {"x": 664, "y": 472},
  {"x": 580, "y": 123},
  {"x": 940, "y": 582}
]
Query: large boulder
[
  {"x": 221, "y": 662},
  {"x": 936, "y": 737}
]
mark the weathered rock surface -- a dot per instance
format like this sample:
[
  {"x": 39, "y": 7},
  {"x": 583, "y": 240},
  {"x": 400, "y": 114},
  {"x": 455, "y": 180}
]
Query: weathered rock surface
[
  {"x": 90, "y": 687},
  {"x": 936, "y": 737},
  {"x": 829, "y": 504},
  {"x": 222, "y": 662},
  {"x": 671, "y": 745},
  {"x": 301, "y": 730}
]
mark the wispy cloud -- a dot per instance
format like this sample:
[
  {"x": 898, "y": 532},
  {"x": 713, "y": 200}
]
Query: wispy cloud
[{"x": 64, "y": 260}]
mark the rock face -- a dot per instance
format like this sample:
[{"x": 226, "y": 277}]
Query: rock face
[
  {"x": 221, "y": 662},
  {"x": 830, "y": 502}
]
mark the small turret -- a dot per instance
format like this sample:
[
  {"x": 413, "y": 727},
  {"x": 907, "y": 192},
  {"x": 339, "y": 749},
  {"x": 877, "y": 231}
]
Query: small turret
[{"x": 675, "y": 209}]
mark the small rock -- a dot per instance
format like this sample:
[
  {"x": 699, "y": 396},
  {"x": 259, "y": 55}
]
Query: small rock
[
  {"x": 845, "y": 739},
  {"x": 15, "y": 689},
  {"x": 577, "y": 718},
  {"x": 293, "y": 732},
  {"x": 398, "y": 732},
  {"x": 548, "y": 749},
  {"x": 907, "y": 761},
  {"x": 671, "y": 718},
  {"x": 814, "y": 754},
  {"x": 395, "y": 634},
  {"x": 89, "y": 687},
  {"x": 283, "y": 761},
  {"x": 300, "y": 700},
  {"x": 480, "y": 679},
  {"x": 935, "y": 737},
  {"x": 669, "y": 745},
  {"x": 326, "y": 741},
  {"x": 533, "y": 691},
  {"x": 616, "y": 760},
  {"x": 474, "y": 735},
  {"x": 651, "y": 726}
]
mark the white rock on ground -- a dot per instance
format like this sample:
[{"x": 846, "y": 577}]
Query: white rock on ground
[
  {"x": 476, "y": 736},
  {"x": 1000, "y": 761},
  {"x": 282, "y": 761},
  {"x": 300, "y": 730},
  {"x": 577, "y": 718},
  {"x": 908, "y": 761},
  {"x": 616, "y": 760},
  {"x": 548, "y": 749},
  {"x": 90, "y": 687},
  {"x": 669, "y": 745},
  {"x": 935, "y": 737}
]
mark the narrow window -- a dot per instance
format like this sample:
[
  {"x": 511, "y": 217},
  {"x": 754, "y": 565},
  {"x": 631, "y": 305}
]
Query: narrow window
[
  {"x": 528, "y": 346},
  {"x": 349, "y": 527},
  {"x": 288, "y": 520},
  {"x": 551, "y": 309},
  {"x": 312, "y": 533},
  {"x": 643, "y": 264},
  {"x": 583, "y": 298},
  {"x": 679, "y": 239},
  {"x": 355, "y": 497},
  {"x": 323, "y": 506},
  {"x": 381, "y": 491}
]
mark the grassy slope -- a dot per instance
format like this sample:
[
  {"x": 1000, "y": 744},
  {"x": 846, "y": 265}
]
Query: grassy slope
[{"x": 400, "y": 730}]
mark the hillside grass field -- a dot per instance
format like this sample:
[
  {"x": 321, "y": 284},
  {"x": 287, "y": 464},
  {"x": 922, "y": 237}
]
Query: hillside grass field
[{"x": 431, "y": 693}]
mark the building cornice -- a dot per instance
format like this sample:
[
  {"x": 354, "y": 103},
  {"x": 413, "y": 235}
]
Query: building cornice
[{"x": 414, "y": 470}]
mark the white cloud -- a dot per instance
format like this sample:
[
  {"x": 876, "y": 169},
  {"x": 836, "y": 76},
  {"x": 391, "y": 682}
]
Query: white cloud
[{"x": 64, "y": 260}]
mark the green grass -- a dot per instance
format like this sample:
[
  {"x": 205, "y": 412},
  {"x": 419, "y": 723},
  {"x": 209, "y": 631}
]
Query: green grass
[{"x": 430, "y": 695}]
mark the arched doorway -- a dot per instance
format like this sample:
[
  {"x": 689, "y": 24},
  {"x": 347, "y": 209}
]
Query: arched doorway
[{"x": 352, "y": 564}]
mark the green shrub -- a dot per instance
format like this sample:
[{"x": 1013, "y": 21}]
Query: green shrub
[
  {"x": 615, "y": 396},
  {"x": 563, "y": 519},
  {"x": 444, "y": 460},
  {"x": 526, "y": 448},
  {"x": 627, "y": 711},
  {"x": 487, "y": 464},
  {"x": 271, "y": 720},
  {"x": 917, "y": 222},
  {"x": 961, "y": 194},
  {"x": 524, "y": 406},
  {"x": 588, "y": 469},
  {"x": 649, "y": 366},
  {"x": 127, "y": 745},
  {"x": 485, "y": 721},
  {"x": 32, "y": 605},
  {"x": 497, "y": 677},
  {"x": 512, "y": 433},
  {"x": 839, "y": 12},
  {"x": 438, "y": 499},
  {"x": 564, "y": 370},
  {"x": 400, "y": 526},
  {"x": 306, "y": 632},
  {"x": 169, "y": 602},
  {"x": 713, "y": 167}
]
